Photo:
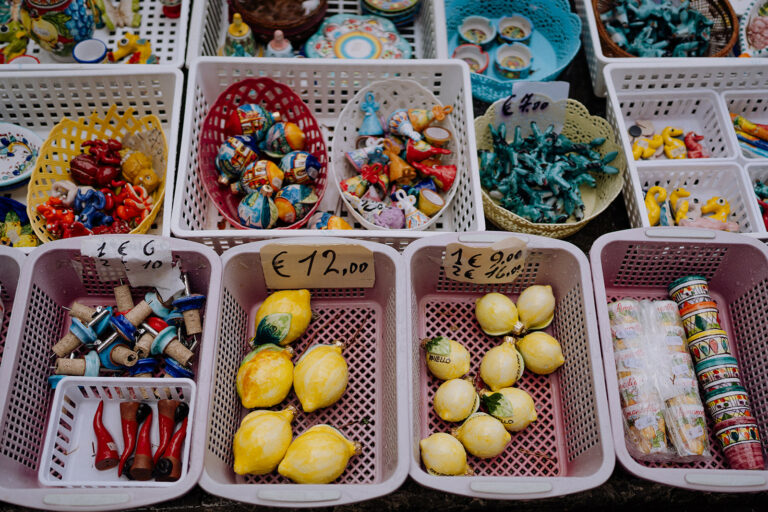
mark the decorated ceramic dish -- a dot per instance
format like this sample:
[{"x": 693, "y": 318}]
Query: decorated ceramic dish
[
  {"x": 399, "y": 12},
  {"x": 345, "y": 36},
  {"x": 19, "y": 148},
  {"x": 753, "y": 29}
]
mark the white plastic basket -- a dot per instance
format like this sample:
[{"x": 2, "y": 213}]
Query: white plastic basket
[
  {"x": 377, "y": 381},
  {"x": 66, "y": 460},
  {"x": 168, "y": 37},
  {"x": 54, "y": 276},
  {"x": 39, "y": 99},
  {"x": 568, "y": 448},
  {"x": 325, "y": 85},
  {"x": 11, "y": 261}
]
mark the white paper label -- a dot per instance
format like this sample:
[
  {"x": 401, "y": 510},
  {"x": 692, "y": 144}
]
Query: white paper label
[
  {"x": 681, "y": 369},
  {"x": 696, "y": 431},
  {"x": 645, "y": 421},
  {"x": 674, "y": 341},
  {"x": 543, "y": 102}
]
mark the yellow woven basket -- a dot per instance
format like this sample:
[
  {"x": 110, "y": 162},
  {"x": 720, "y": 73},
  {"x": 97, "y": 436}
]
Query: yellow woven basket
[
  {"x": 580, "y": 127},
  {"x": 63, "y": 144}
]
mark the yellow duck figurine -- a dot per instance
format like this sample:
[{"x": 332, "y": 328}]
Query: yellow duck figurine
[
  {"x": 318, "y": 456},
  {"x": 719, "y": 206},
  {"x": 282, "y": 317},
  {"x": 139, "y": 49},
  {"x": 262, "y": 441},
  {"x": 673, "y": 147},
  {"x": 644, "y": 147},
  {"x": 679, "y": 205},
  {"x": 655, "y": 196}
]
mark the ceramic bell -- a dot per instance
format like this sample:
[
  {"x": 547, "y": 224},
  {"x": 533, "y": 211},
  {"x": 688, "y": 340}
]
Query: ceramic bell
[
  {"x": 294, "y": 202},
  {"x": 371, "y": 123},
  {"x": 258, "y": 174},
  {"x": 251, "y": 119},
  {"x": 239, "y": 41},
  {"x": 421, "y": 150},
  {"x": 300, "y": 167},
  {"x": 257, "y": 209},
  {"x": 368, "y": 154},
  {"x": 282, "y": 138},
  {"x": 367, "y": 208},
  {"x": 279, "y": 46},
  {"x": 400, "y": 171},
  {"x": 235, "y": 154},
  {"x": 355, "y": 186},
  {"x": 413, "y": 217},
  {"x": 399, "y": 123},
  {"x": 378, "y": 176},
  {"x": 421, "y": 118},
  {"x": 325, "y": 220},
  {"x": 444, "y": 175}
]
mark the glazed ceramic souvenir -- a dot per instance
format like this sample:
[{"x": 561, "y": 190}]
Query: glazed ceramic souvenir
[
  {"x": 136, "y": 48},
  {"x": 421, "y": 118},
  {"x": 282, "y": 138},
  {"x": 413, "y": 217},
  {"x": 251, "y": 119},
  {"x": 399, "y": 123},
  {"x": 477, "y": 30},
  {"x": 90, "y": 51},
  {"x": 279, "y": 46},
  {"x": 294, "y": 202},
  {"x": 257, "y": 209},
  {"x": 257, "y": 175},
  {"x": 367, "y": 208},
  {"x": 234, "y": 156},
  {"x": 753, "y": 29},
  {"x": 58, "y": 25},
  {"x": 300, "y": 167},
  {"x": 437, "y": 136},
  {"x": 325, "y": 220},
  {"x": 345, "y": 36},
  {"x": 391, "y": 217},
  {"x": 475, "y": 57},
  {"x": 443, "y": 175},
  {"x": 371, "y": 124},
  {"x": 399, "y": 12},
  {"x": 19, "y": 148},
  {"x": 430, "y": 202},
  {"x": 514, "y": 60},
  {"x": 515, "y": 29},
  {"x": 239, "y": 41}
]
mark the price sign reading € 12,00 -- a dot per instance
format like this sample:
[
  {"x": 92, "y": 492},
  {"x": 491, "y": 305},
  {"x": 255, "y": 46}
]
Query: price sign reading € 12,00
[
  {"x": 288, "y": 266},
  {"x": 497, "y": 263}
]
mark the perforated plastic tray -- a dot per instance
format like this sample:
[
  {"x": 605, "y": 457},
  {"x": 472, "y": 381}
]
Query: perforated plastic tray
[
  {"x": 56, "y": 275},
  {"x": 39, "y": 99},
  {"x": 11, "y": 261},
  {"x": 325, "y": 85},
  {"x": 568, "y": 448},
  {"x": 376, "y": 391},
  {"x": 209, "y": 23},
  {"x": 168, "y": 37},
  {"x": 640, "y": 264}
]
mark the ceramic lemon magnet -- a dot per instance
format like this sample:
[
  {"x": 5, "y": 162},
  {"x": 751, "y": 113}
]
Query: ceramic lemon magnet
[
  {"x": 320, "y": 377},
  {"x": 282, "y": 317},
  {"x": 265, "y": 376},
  {"x": 483, "y": 435},
  {"x": 318, "y": 456},
  {"x": 541, "y": 352},
  {"x": 513, "y": 407},
  {"x": 497, "y": 315},
  {"x": 502, "y": 366},
  {"x": 443, "y": 454},
  {"x": 446, "y": 359},
  {"x": 456, "y": 399},
  {"x": 536, "y": 307},
  {"x": 262, "y": 441}
]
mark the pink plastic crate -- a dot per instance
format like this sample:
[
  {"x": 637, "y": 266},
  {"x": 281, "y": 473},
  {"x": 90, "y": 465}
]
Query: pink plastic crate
[
  {"x": 376, "y": 388},
  {"x": 640, "y": 263},
  {"x": 11, "y": 261},
  {"x": 56, "y": 275},
  {"x": 568, "y": 448}
]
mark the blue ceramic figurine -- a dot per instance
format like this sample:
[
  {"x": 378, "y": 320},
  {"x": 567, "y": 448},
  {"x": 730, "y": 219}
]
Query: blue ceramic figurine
[{"x": 371, "y": 123}]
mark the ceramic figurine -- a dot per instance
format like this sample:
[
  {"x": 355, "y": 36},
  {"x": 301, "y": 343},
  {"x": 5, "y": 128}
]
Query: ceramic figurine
[
  {"x": 300, "y": 167},
  {"x": 399, "y": 123},
  {"x": 654, "y": 197},
  {"x": 376, "y": 175},
  {"x": 644, "y": 148},
  {"x": 673, "y": 147},
  {"x": 239, "y": 41},
  {"x": 443, "y": 175},
  {"x": 421, "y": 118},
  {"x": 421, "y": 150},
  {"x": 279, "y": 46},
  {"x": 371, "y": 124},
  {"x": 325, "y": 220},
  {"x": 679, "y": 204},
  {"x": 293, "y": 202},
  {"x": 57, "y": 26},
  {"x": 258, "y": 210},
  {"x": 392, "y": 217},
  {"x": 400, "y": 171},
  {"x": 121, "y": 14},
  {"x": 354, "y": 185},
  {"x": 367, "y": 208},
  {"x": 14, "y": 37},
  {"x": 693, "y": 144},
  {"x": 718, "y": 207},
  {"x": 257, "y": 175},
  {"x": 137, "y": 170},
  {"x": 414, "y": 218},
  {"x": 251, "y": 119},
  {"x": 282, "y": 138},
  {"x": 369, "y": 154},
  {"x": 139, "y": 49},
  {"x": 235, "y": 154}
]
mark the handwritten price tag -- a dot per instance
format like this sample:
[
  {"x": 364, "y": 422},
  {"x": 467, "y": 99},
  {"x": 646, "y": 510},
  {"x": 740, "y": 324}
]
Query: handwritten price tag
[
  {"x": 543, "y": 102},
  {"x": 498, "y": 263},
  {"x": 145, "y": 262},
  {"x": 288, "y": 266}
]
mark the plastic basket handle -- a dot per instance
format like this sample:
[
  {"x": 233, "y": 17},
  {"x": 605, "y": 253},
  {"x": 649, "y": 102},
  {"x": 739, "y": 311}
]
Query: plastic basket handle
[
  {"x": 511, "y": 488},
  {"x": 294, "y": 495},
  {"x": 92, "y": 499},
  {"x": 720, "y": 480},
  {"x": 678, "y": 232},
  {"x": 489, "y": 237}
]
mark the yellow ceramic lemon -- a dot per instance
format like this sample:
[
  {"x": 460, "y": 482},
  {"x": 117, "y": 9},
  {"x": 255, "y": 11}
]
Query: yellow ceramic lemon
[
  {"x": 265, "y": 376},
  {"x": 502, "y": 366},
  {"x": 456, "y": 399},
  {"x": 318, "y": 456},
  {"x": 513, "y": 407},
  {"x": 443, "y": 454},
  {"x": 536, "y": 307},
  {"x": 541, "y": 352},
  {"x": 262, "y": 440},
  {"x": 282, "y": 317},
  {"x": 446, "y": 359},
  {"x": 497, "y": 314},
  {"x": 483, "y": 435},
  {"x": 320, "y": 376}
]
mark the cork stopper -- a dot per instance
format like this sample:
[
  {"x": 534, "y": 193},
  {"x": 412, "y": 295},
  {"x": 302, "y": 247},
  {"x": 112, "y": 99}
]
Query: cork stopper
[
  {"x": 142, "y": 375},
  {"x": 123, "y": 356},
  {"x": 142, "y": 467},
  {"x": 143, "y": 347},
  {"x": 66, "y": 345},
  {"x": 179, "y": 352},
  {"x": 192, "y": 322},
  {"x": 168, "y": 469},
  {"x": 167, "y": 408},
  {"x": 123, "y": 297},
  {"x": 139, "y": 313},
  {"x": 82, "y": 312},
  {"x": 128, "y": 410},
  {"x": 70, "y": 367}
]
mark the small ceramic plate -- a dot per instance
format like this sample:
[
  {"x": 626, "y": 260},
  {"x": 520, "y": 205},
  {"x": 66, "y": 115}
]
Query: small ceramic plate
[
  {"x": 391, "y": 6},
  {"x": 19, "y": 148},
  {"x": 346, "y": 36},
  {"x": 749, "y": 22}
]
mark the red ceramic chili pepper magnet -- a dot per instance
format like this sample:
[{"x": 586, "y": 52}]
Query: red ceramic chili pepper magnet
[
  {"x": 169, "y": 466},
  {"x": 132, "y": 414},
  {"x": 166, "y": 416},
  {"x": 106, "y": 449},
  {"x": 141, "y": 468}
]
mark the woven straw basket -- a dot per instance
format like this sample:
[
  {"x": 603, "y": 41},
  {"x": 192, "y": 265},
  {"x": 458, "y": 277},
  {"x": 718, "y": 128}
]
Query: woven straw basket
[
  {"x": 63, "y": 144},
  {"x": 581, "y": 127},
  {"x": 391, "y": 95},
  {"x": 725, "y": 31}
]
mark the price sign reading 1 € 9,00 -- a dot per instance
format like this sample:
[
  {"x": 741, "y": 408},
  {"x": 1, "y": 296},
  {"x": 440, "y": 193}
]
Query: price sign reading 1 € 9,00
[
  {"x": 501, "y": 262},
  {"x": 289, "y": 266}
]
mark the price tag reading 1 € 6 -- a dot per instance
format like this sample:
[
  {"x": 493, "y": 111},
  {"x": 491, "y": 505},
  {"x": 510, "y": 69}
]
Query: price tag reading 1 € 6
[
  {"x": 497, "y": 263},
  {"x": 289, "y": 266},
  {"x": 145, "y": 262}
]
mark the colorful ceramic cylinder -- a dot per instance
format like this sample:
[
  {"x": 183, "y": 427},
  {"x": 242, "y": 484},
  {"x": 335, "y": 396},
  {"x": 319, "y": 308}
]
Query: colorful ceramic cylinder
[
  {"x": 728, "y": 402},
  {"x": 717, "y": 372},
  {"x": 58, "y": 25},
  {"x": 698, "y": 317},
  {"x": 740, "y": 440},
  {"x": 689, "y": 289},
  {"x": 708, "y": 344}
]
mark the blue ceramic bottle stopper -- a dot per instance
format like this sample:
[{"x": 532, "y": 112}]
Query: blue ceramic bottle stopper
[{"x": 371, "y": 123}]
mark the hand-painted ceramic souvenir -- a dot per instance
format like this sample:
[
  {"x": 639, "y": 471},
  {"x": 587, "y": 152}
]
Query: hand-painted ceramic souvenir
[
  {"x": 430, "y": 202},
  {"x": 413, "y": 217},
  {"x": 689, "y": 289},
  {"x": 234, "y": 156},
  {"x": 326, "y": 220},
  {"x": 421, "y": 118},
  {"x": 476, "y": 58},
  {"x": 258, "y": 174},
  {"x": 444, "y": 175},
  {"x": 355, "y": 185},
  {"x": 421, "y": 150},
  {"x": 400, "y": 171},
  {"x": 367, "y": 208},
  {"x": 90, "y": 51},
  {"x": 515, "y": 29},
  {"x": 740, "y": 440},
  {"x": 300, "y": 167},
  {"x": 294, "y": 202},
  {"x": 239, "y": 41},
  {"x": 58, "y": 25},
  {"x": 282, "y": 138},
  {"x": 391, "y": 217},
  {"x": 708, "y": 344},
  {"x": 251, "y": 119},
  {"x": 345, "y": 36},
  {"x": 753, "y": 29},
  {"x": 371, "y": 124},
  {"x": 437, "y": 136},
  {"x": 477, "y": 30},
  {"x": 399, "y": 123},
  {"x": 279, "y": 46},
  {"x": 19, "y": 148},
  {"x": 368, "y": 154},
  {"x": 399, "y": 12},
  {"x": 718, "y": 371},
  {"x": 257, "y": 209},
  {"x": 15, "y": 229},
  {"x": 514, "y": 60}
]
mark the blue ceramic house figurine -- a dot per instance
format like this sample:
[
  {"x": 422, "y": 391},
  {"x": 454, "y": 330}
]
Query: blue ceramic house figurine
[{"x": 371, "y": 124}]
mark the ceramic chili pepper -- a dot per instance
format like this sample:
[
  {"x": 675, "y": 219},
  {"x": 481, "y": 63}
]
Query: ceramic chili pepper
[
  {"x": 132, "y": 414},
  {"x": 106, "y": 449},
  {"x": 75, "y": 229},
  {"x": 170, "y": 412},
  {"x": 118, "y": 226},
  {"x": 141, "y": 468},
  {"x": 56, "y": 214},
  {"x": 169, "y": 466},
  {"x": 134, "y": 203},
  {"x": 421, "y": 150},
  {"x": 89, "y": 205}
]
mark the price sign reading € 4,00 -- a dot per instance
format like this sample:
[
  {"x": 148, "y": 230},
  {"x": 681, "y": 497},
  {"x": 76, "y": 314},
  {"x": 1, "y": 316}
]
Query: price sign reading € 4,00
[
  {"x": 288, "y": 266},
  {"x": 501, "y": 262}
]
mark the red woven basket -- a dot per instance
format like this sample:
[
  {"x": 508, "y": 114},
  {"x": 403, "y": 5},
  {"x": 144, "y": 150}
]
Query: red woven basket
[{"x": 275, "y": 97}]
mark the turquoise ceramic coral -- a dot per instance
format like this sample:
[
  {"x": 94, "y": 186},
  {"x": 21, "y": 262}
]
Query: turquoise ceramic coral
[{"x": 347, "y": 36}]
